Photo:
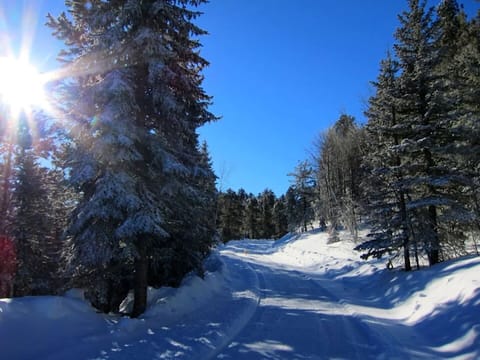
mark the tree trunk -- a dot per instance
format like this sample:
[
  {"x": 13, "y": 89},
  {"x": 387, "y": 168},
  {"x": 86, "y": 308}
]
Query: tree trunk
[
  {"x": 434, "y": 246},
  {"x": 417, "y": 260},
  {"x": 406, "y": 240},
  {"x": 434, "y": 241},
  {"x": 141, "y": 281},
  {"x": 406, "y": 255}
]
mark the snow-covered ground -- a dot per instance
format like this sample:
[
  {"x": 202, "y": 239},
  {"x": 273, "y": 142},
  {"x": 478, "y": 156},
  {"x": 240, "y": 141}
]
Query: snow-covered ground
[{"x": 297, "y": 298}]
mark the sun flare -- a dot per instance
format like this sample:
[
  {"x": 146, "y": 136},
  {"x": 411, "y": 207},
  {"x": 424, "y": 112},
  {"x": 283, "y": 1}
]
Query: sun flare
[{"x": 21, "y": 85}]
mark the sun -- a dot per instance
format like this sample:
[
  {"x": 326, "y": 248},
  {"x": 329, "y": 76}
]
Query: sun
[{"x": 22, "y": 87}]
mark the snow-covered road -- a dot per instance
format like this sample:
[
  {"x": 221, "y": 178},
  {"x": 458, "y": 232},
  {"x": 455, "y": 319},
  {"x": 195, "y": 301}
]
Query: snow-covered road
[
  {"x": 298, "y": 318},
  {"x": 320, "y": 301}
]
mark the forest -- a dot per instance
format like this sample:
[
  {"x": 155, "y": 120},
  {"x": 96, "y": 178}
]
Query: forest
[{"x": 115, "y": 193}]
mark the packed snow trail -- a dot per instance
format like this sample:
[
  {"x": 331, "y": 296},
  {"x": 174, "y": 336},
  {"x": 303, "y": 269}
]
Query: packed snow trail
[{"x": 298, "y": 318}]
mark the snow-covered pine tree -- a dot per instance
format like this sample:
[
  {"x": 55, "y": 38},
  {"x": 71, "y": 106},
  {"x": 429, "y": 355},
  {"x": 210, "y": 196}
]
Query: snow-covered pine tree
[
  {"x": 133, "y": 99},
  {"x": 207, "y": 179},
  {"x": 416, "y": 54},
  {"x": 468, "y": 61},
  {"x": 385, "y": 197},
  {"x": 62, "y": 200},
  {"x": 192, "y": 226},
  {"x": 452, "y": 87},
  {"x": 429, "y": 179},
  {"x": 30, "y": 221}
]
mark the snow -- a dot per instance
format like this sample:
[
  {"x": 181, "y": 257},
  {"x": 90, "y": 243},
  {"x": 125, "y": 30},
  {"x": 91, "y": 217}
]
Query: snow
[{"x": 296, "y": 298}]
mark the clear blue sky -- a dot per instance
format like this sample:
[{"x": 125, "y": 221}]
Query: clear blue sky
[{"x": 281, "y": 71}]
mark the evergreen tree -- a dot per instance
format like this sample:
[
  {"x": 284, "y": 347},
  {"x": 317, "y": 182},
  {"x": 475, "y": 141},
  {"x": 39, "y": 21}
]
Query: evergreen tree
[
  {"x": 251, "y": 222},
  {"x": 30, "y": 221},
  {"x": 433, "y": 184},
  {"x": 419, "y": 133},
  {"x": 62, "y": 201},
  {"x": 266, "y": 202},
  {"x": 134, "y": 100},
  {"x": 231, "y": 214},
  {"x": 386, "y": 199},
  {"x": 304, "y": 185},
  {"x": 451, "y": 87},
  {"x": 207, "y": 182},
  {"x": 293, "y": 209},
  {"x": 193, "y": 224},
  {"x": 467, "y": 62},
  {"x": 30, "y": 227},
  {"x": 280, "y": 217}
]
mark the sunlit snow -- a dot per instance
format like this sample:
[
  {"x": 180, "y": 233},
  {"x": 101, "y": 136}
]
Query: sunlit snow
[{"x": 296, "y": 298}]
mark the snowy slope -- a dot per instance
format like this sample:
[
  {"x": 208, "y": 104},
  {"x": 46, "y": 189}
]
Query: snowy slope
[{"x": 297, "y": 298}]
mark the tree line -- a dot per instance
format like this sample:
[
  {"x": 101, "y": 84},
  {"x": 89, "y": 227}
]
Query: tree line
[
  {"x": 412, "y": 171},
  {"x": 242, "y": 215}
]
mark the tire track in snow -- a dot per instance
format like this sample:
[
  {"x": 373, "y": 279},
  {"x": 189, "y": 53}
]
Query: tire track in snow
[
  {"x": 240, "y": 322},
  {"x": 289, "y": 301},
  {"x": 342, "y": 330},
  {"x": 391, "y": 342},
  {"x": 336, "y": 317}
]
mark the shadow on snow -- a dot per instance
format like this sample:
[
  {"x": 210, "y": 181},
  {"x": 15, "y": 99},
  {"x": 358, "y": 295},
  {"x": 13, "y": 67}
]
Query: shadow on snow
[{"x": 330, "y": 322}]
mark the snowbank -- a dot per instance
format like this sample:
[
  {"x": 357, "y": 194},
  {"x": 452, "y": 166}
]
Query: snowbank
[{"x": 190, "y": 321}]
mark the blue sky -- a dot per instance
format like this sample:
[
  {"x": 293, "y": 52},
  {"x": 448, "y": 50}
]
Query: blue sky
[{"x": 281, "y": 72}]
